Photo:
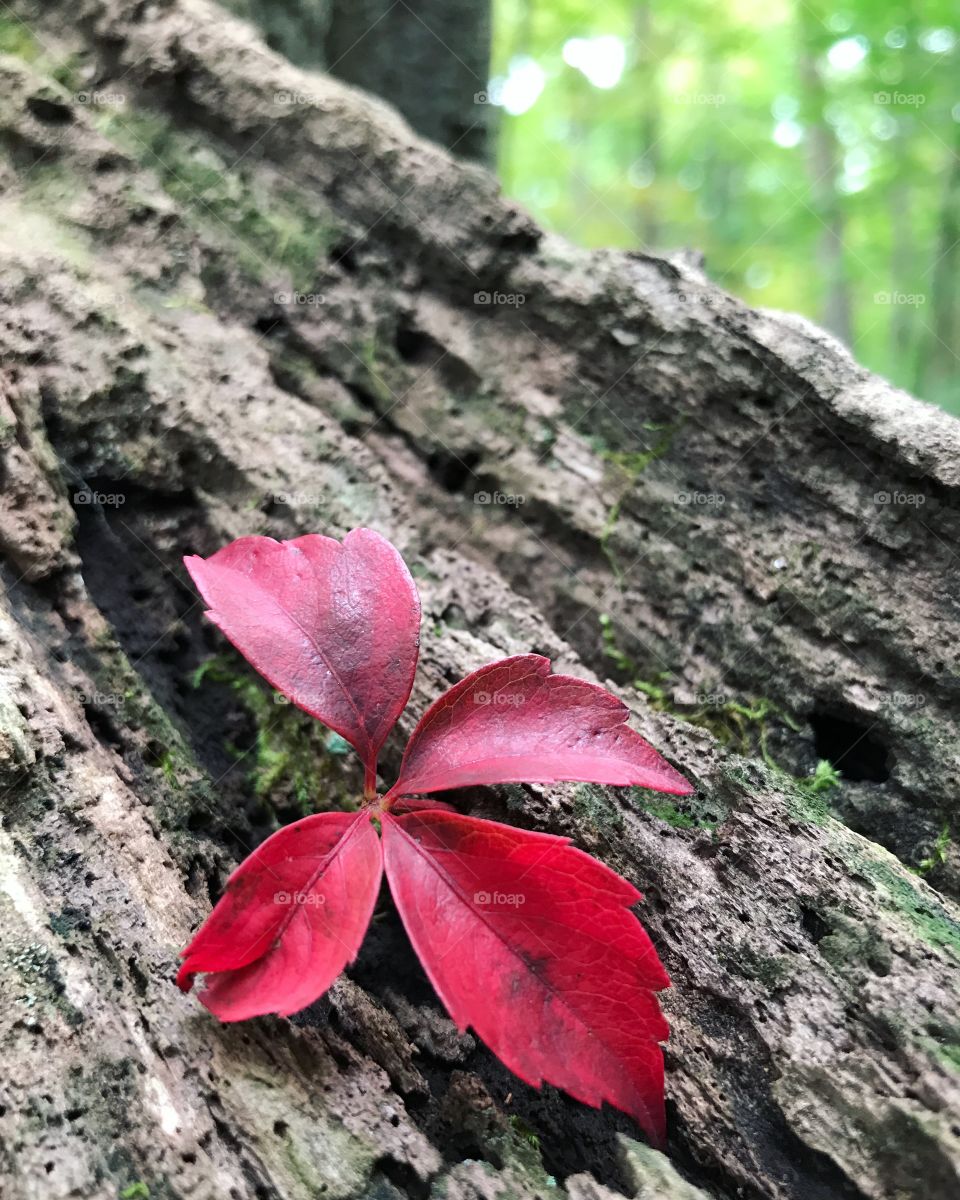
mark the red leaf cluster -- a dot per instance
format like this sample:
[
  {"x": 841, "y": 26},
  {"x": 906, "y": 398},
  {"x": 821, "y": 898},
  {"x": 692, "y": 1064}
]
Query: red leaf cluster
[{"x": 526, "y": 939}]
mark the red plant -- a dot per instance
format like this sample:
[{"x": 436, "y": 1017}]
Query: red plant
[{"x": 525, "y": 938}]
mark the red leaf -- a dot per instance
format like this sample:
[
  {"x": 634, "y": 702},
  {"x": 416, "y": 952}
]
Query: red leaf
[
  {"x": 531, "y": 942},
  {"x": 293, "y": 915},
  {"x": 417, "y": 803},
  {"x": 514, "y": 722},
  {"x": 335, "y": 627}
]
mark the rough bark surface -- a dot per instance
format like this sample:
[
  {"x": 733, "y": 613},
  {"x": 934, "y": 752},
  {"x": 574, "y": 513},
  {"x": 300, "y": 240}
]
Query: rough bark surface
[{"x": 221, "y": 316}]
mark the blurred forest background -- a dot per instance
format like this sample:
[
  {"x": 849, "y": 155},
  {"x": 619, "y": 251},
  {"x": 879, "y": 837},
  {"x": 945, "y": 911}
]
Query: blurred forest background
[{"x": 809, "y": 148}]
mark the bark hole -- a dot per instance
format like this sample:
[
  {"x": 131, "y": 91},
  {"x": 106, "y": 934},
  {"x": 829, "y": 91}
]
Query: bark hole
[{"x": 852, "y": 746}]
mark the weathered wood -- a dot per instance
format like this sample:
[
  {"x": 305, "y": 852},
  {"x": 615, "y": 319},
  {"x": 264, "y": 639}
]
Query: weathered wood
[{"x": 224, "y": 316}]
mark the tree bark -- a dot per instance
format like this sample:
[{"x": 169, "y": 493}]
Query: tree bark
[{"x": 226, "y": 315}]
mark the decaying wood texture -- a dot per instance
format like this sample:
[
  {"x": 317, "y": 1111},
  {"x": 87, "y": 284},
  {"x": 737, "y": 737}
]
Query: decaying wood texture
[{"x": 223, "y": 313}]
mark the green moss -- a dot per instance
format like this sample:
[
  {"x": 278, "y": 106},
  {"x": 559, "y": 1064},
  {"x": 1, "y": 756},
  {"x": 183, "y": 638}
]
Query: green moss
[
  {"x": 135, "y": 1191},
  {"x": 808, "y": 797},
  {"x": 42, "y": 982},
  {"x": 942, "y": 1040},
  {"x": 292, "y": 751},
  {"x": 368, "y": 354},
  {"x": 593, "y": 807},
  {"x": 913, "y": 902},
  {"x": 16, "y": 39},
  {"x": 689, "y": 812},
  {"x": 948, "y": 1055},
  {"x": 666, "y": 810},
  {"x": 68, "y": 73},
  {"x": 185, "y": 302},
  {"x": 420, "y": 570},
  {"x": 848, "y": 944},
  {"x": 268, "y": 227},
  {"x": 105, "y": 1091},
  {"x": 519, "y": 1148},
  {"x": 628, "y": 466},
  {"x": 33, "y": 225},
  {"x": 167, "y": 753},
  {"x": 742, "y": 727},
  {"x": 772, "y": 971}
]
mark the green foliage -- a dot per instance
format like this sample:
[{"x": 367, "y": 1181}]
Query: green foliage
[
  {"x": 825, "y": 778},
  {"x": 757, "y": 133},
  {"x": 938, "y": 855},
  {"x": 610, "y": 647},
  {"x": 523, "y": 1130},
  {"x": 135, "y": 1191}
]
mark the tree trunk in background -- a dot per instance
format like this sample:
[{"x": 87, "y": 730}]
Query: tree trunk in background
[
  {"x": 428, "y": 58},
  {"x": 941, "y": 366},
  {"x": 824, "y": 199},
  {"x": 295, "y": 28},
  {"x": 903, "y": 274},
  {"x": 646, "y": 88},
  {"x": 221, "y": 314}
]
